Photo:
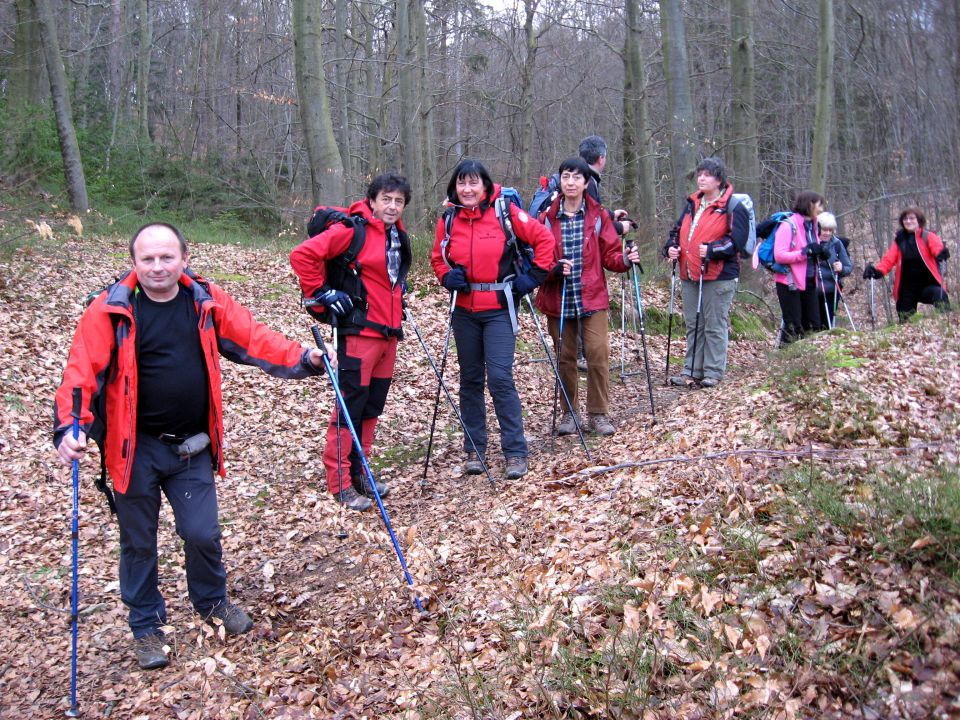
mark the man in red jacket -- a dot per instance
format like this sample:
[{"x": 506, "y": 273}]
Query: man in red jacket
[
  {"x": 368, "y": 317},
  {"x": 145, "y": 358}
]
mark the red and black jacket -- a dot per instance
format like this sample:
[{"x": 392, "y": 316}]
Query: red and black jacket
[
  {"x": 929, "y": 244},
  {"x": 383, "y": 309},
  {"x": 478, "y": 244},
  {"x": 103, "y": 364},
  {"x": 713, "y": 230},
  {"x": 600, "y": 251}
]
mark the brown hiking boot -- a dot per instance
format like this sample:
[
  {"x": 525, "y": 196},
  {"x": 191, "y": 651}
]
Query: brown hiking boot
[
  {"x": 351, "y": 499},
  {"x": 567, "y": 426},
  {"x": 601, "y": 424},
  {"x": 516, "y": 467},
  {"x": 150, "y": 653},
  {"x": 235, "y": 620},
  {"x": 473, "y": 466}
]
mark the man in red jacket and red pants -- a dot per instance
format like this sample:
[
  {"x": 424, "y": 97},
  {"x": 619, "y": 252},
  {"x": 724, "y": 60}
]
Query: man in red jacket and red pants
[
  {"x": 368, "y": 321},
  {"x": 145, "y": 357}
]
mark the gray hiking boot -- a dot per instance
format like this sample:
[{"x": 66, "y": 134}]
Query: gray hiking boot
[
  {"x": 601, "y": 424},
  {"x": 149, "y": 650},
  {"x": 353, "y": 500},
  {"x": 683, "y": 381},
  {"x": 367, "y": 491},
  {"x": 567, "y": 426},
  {"x": 235, "y": 620},
  {"x": 473, "y": 466},
  {"x": 516, "y": 467},
  {"x": 709, "y": 382}
]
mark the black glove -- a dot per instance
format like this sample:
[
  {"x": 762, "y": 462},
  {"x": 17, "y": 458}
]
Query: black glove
[
  {"x": 456, "y": 280},
  {"x": 337, "y": 301},
  {"x": 672, "y": 241},
  {"x": 557, "y": 270},
  {"x": 943, "y": 256},
  {"x": 871, "y": 273},
  {"x": 816, "y": 250},
  {"x": 524, "y": 283}
]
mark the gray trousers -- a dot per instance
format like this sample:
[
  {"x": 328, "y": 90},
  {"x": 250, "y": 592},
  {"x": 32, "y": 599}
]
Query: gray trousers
[{"x": 712, "y": 330}]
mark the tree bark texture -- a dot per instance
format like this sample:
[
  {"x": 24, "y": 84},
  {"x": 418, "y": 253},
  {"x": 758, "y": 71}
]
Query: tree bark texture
[
  {"x": 823, "y": 121},
  {"x": 679, "y": 103},
  {"x": 743, "y": 108}
]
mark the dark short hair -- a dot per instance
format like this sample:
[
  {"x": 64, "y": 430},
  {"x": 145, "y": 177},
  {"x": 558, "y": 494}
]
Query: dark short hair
[
  {"x": 389, "y": 182},
  {"x": 468, "y": 168},
  {"x": 921, "y": 218},
  {"x": 715, "y": 167},
  {"x": 805, "y": 202},
  {"x": 575, "y": 164},
  {"x": 173, "y": 228},
  {"x": 592, "y": 148}
]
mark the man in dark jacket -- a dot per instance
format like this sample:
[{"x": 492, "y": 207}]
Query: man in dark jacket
[
  {"x": 368, "y": 324},
  {"x": 593, "y": 149},
  {"x": 145, "y": 359}
]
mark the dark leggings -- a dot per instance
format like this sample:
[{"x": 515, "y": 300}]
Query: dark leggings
[
  {"x": 801, "y": 314},
  {"x": 911, "y": 296}
]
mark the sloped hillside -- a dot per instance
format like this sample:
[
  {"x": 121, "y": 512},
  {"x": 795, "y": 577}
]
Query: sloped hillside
[{"x": 783, "y": 546}]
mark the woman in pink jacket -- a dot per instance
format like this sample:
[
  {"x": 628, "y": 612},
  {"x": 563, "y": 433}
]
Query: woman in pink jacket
[
  {"x": 916, "y": 254},
  {"x": 797, "y": 245}
]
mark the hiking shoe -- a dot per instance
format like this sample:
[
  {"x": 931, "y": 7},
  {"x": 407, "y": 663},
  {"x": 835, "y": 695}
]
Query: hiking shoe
[
  {"x": 601, "y": 424},
  {"x": 149, "y": 650},
  {"x": 473, "y": 466},
  {"x": 516, "y": 467},
  {"x": 567, "y": 426},
  {"x": 683, "y": 381},
  {"x": 353, "y": 500},
  {"x": 235, "y": 620},
  {"x": 367, "y": 491},
  {"x": 582, "y": 364},
  {"x": 709, "y": 382}
]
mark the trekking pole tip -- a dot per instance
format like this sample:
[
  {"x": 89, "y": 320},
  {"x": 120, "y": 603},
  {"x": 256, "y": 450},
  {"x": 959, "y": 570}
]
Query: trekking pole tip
[{"x": 73, "y": 712}]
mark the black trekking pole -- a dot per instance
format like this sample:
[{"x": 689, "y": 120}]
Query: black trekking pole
[
  {"x": 826, "y": 307},
  {"x": 643, "y": 335},
  {"x": 446, "y": 390},
  {"x": 358, "y": 446},
  {"x": 556, "y": 372},
  {"x": 837, "y": 293},
  {"x": 74, "y": 711},
  {"x": 556, "y": 387},
  {"x": 670, "y": 311},
  {"x": 341, "y": 531},
  {"x": 696, "y": 323},
  {"x": 873, "y": 305},
  {"x": 436, "y": 400}
]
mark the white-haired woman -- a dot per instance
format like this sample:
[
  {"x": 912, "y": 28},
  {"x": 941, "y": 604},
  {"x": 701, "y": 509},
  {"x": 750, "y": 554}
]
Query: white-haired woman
[{"x": 834, "y": 265}]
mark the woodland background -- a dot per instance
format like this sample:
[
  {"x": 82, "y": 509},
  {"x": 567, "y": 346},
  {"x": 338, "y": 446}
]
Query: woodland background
[{"x": 247, "y": 111}]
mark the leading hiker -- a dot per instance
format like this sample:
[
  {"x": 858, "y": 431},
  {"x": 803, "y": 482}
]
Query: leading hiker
[
  {"x": 367, "y": 318},
  {"x": 145, "y": 357}
]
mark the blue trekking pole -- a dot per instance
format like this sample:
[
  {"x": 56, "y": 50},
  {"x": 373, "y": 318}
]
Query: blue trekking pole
[
  {"x": 363, "y": 461},
  {"x": 74, "y": 710}
]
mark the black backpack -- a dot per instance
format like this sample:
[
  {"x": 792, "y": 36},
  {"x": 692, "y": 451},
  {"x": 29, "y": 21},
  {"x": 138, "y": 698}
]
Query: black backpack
[{"x": 343, "y": 271}]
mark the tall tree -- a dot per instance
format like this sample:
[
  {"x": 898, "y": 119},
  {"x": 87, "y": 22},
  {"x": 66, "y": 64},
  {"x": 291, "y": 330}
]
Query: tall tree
[
  {"x": 341, "y": 70},
  {"x": 143, "y": 72},
  {"x": 411, "y": 97},
  {"x": 743, "y": 110},
  {"x": 679, "y": 101},
  {"x": 823, "y": 121},
  {"x": 60, "y": 94},
  {"x": 639, "y": 170},
  {"x": 326, "y": 167}
]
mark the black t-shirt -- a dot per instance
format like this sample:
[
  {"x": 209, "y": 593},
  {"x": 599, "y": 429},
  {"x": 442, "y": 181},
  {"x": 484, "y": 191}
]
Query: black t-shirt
[{"x": 172, "y": 388}]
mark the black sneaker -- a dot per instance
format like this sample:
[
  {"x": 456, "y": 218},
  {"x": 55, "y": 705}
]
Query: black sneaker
[
  {"x": 150, "y": 653},
  {"x": 473, "y": 466},
  {"x": 235, "y": 620},
  {"x": 353, "y": 500},
  {"x": 363, "y": 487}
]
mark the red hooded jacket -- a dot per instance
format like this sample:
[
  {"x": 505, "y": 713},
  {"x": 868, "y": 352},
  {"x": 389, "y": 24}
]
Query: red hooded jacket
[
  {"x": 713, "y": 227},
  {"x": 477, "y": 243},
  {"x": 384, "y": 301},
  {"x": 600, "y": 252},
  {"x": 103, "y": 364}
]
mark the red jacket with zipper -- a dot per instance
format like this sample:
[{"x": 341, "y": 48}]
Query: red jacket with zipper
[
  {"x": 600, "y": 251},
  {"x": 384, "y": 301},
  {"x": 929, "y": 244},
  {"x": 478, "y": 244},
  {"x": 712, "y": 229},
  {"x": 103, "y": 364}
]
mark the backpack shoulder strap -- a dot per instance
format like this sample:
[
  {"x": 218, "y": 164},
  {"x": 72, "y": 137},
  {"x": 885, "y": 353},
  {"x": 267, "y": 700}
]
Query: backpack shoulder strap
[
  {"x": 447, "y": 227},
  {"x": 502, "y": 208}
]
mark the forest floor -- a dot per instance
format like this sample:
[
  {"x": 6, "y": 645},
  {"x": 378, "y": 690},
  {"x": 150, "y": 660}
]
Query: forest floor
[{"x": 783, "y": 546}]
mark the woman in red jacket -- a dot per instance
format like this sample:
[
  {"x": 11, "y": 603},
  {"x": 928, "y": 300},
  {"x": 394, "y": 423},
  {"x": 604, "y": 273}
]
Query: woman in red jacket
[
  {"x": 475, "y": 262},
  {"x": 916, "y": 254}
]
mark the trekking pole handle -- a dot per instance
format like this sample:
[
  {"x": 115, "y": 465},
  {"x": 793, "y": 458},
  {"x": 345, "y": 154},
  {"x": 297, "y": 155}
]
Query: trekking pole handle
[{"x": 75, "y": 413}]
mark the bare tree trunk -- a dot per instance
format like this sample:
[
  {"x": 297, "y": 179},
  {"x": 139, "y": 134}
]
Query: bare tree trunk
[
  {"x": 428, "y": 144},
  {"x": 341, "y": 74},
  {"x": 532, "y": 38},
  {"x": 326, "y": 167},
  {"x": 639, "y": 172},
  {"x": 823, "y": 122},
  {"x": 679, "y": 102},
  {"x": 743, "y": 111},
  {"x": 26, "y": 71},
  {"x": 410, "y": 97},
  {"x": 143, "y": 72},
  {"x": 60, "y": 94}
]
